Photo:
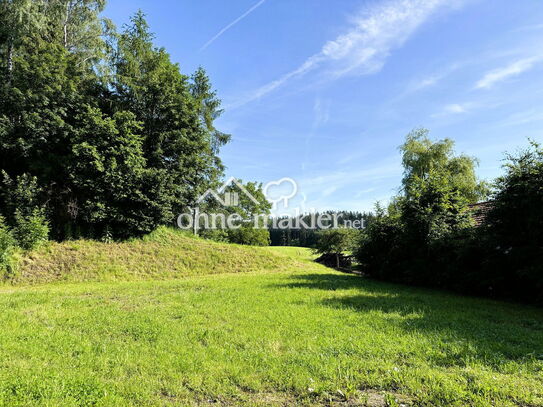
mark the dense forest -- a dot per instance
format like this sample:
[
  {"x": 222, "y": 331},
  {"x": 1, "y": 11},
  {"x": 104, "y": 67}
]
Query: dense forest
[{"x": 101, "y": 135}]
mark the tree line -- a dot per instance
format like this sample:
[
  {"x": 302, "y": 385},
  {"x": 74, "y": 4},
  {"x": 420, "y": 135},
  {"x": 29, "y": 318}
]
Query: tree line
[
  {"x": 307, "y": 236},
  {"x": 428, "y": 234}
]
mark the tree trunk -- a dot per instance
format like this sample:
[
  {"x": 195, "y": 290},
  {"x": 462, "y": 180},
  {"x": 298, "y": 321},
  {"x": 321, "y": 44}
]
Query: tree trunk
[
  {"x": 337, "y": 260},
  {"x": 194, "y": 224},
  {"x": 65, "y": 28},
  {"x": 10, "y": 62}
]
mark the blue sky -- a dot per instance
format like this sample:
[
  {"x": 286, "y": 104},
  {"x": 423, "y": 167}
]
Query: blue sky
[{"x": 325, "y": 91}]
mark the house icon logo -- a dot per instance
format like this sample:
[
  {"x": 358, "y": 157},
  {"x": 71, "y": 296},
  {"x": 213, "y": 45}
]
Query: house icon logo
[{"x": 228, "y": 198}]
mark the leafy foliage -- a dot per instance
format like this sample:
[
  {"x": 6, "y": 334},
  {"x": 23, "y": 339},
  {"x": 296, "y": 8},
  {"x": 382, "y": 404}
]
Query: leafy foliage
[
  {"x": 7, "y": 249},
  {"x": 514, "y": 227},
  {"x": 103, "y": 126},
  {"x": 249, "y": 235},
  {"x": 381, "y": 247},
  {"x": 244, "y": 222},
  {"x": 31, "y": 230},
  {"x": 336, "y": 242},
  {"x": 406, "y": 242},
  {"x": 22, "y": 194},
  {"x": 427, "y": 235},
  {"x": 303, "y": 230},
  {"x": 423, "y": 159}
]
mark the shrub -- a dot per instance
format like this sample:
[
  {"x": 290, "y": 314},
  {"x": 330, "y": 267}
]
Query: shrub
[
  {"x": 217, "y": 235},
  {"x": 421, "y": 238},
  {"x": 427, "y": 236},
  {"x": 21, "y": 193},
  {"x": 381, "y": 249},
  {"x": 7, "y": 250},
  {"x": 249, "y": 236},
  {"x": 31, "y": 230},
  {"x": 335, "y": 243},
  {"x": 514, "y": 227}
]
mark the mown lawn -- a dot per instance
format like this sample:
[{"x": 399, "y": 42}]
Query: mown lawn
[{"x": 305, "y": 337}]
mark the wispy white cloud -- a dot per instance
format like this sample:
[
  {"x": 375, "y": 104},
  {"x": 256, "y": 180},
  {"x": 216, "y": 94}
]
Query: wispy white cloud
[
  {"x": 431, "y": 80},
  {"x": 521, "y": 118},
  {"x": 348, "y": 158},
  {"x": 364, "y": 47},
  {"x": 233, "y": 23},
  {"x": 467, "y": 107},
  {"x": 341, "y": 178},
  {"x": 499, "y": 75},
  {"x": 322, "y": 112},
  {"x": 329, "y": 191},
  {"x": 456, "y": 108},
  {"x": 307, "y": 66},
  {"x": 324, "y": 191},
  {"x": 364, "y": 192},
  {"x": 426, "y": 82}
]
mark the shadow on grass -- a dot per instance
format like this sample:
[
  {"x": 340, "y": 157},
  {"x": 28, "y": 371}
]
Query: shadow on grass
[{"x": 488, "y": 331}]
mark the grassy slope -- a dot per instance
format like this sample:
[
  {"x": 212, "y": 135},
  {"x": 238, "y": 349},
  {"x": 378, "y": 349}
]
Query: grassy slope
[
  {"x": 164, "y": 254},
  {"x": 305, "y": 334}
]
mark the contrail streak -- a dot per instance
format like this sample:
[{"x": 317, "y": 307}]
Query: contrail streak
[{"x": 233, "y": 23}]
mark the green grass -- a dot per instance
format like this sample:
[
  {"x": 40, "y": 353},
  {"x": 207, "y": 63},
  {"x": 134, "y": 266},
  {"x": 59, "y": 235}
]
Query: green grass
[
  {"x": 300, "y": 335},
  {"x": 164, "y": 254}
]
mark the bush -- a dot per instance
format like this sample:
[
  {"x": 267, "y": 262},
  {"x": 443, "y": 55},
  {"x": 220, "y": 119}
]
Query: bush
[
  {"x": 427, "y": 237},
  {"x": 381, "y": 251},
  {"x": 7, "y": 250},
  {"x": 31, "y": 230},
  {"x": 21, "y": 193},
  {"x": 334, "y": 243},
  {"x": 514, "y": 227},
  {"x": 249, "y": 236},
  {"x": 217, "y": 235}
]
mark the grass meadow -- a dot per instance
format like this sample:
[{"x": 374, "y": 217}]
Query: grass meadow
[{"x": 302, "y": 335}]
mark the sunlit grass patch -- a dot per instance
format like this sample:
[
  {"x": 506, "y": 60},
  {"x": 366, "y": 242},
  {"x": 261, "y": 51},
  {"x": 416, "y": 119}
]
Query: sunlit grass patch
[
  {"x": 164, "y": 254},
  {"x": 265, "y": 338}
]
